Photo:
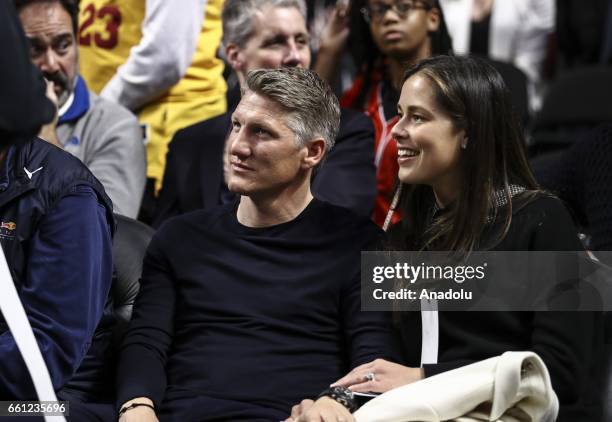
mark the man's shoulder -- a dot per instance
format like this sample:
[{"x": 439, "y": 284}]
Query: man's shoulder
[
  {"x": 354, "y": 120},
  {"x": 52, "y": 169},
  {"x": 336, "y": 218},
  {"x": 108, "y": 112},
  {"x": 54, "y": 160},
  {"x": 352, "y": 116},
  {"x": 202, "y": 219}
]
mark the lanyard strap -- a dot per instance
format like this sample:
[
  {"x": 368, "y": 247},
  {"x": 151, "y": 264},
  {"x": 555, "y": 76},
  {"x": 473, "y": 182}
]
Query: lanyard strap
[
  {"x": 430, "y": 333},
  {"x": 18, "y": 324},
  {"x": 430, "y": 327}
]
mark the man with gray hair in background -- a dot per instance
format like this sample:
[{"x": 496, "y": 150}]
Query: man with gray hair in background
[
  {"x": 248, "y": 307},
  {"x": 265, "y": 34}
]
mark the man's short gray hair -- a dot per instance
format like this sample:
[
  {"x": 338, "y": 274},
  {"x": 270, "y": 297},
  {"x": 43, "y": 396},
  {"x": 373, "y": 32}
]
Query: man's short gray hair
[
  {"x": 237, "y": 17},
  {"x": 313, "y": 109}
]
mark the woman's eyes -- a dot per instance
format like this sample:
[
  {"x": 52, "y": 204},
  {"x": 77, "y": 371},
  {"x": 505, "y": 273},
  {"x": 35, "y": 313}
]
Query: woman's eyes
[{"x": 415, "y": 118}]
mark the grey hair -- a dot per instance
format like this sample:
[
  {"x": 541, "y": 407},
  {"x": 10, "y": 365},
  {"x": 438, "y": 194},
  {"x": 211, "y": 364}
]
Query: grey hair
[
  {"x": 237, "y": 17},
  {"x": 314, "y": 110}
]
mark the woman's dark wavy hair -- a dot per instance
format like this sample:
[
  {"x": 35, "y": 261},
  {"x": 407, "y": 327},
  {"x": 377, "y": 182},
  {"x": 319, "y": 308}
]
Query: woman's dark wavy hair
[
  {"x": 477, "y": 100},
  {"x": 366, "y": 54}
]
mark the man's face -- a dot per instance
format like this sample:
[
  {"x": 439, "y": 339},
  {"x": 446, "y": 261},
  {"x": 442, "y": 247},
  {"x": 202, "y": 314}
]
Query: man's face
[
  {"x": 264, "y": 159},
  {"x": 279, "y": 39},
  {"x": 53, "y": 49}
]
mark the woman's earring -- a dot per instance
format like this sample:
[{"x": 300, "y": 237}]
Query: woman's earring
[{"x": 464, "y": 143}]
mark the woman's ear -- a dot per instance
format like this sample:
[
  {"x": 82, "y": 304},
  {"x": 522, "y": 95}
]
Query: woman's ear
[{"x": 433, "y": 19}]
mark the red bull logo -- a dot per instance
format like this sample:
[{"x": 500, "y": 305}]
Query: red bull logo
[{"x": 9, "y": 226}]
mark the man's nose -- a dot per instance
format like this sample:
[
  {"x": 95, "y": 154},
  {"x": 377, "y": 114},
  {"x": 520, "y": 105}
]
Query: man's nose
[
  {"x": 293, "y": 57},
  {"x": 238, "y": 144},
  {"x": 48, "y": 62}
]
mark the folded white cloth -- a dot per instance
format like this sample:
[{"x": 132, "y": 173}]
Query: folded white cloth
[{"x": 510, "y": 388}]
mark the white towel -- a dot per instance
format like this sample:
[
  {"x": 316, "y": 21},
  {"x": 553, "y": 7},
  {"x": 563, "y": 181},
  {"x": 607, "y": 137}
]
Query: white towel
[{"x": 510, "y": 388}]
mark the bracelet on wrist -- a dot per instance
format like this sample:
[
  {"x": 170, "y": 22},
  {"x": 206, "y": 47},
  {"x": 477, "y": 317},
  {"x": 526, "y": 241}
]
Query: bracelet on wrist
[
  {"x": 342, "y": 395},
  {"x": 135, "y": 405}
]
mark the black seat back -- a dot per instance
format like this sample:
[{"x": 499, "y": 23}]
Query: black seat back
[
  {"x": 129, "y": 246},
  {"x": 575, "y": 102},
  {"x": 516, "y": 81}
]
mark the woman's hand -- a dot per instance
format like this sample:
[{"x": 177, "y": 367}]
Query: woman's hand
[
  {"x": 324, "y": 409},
  {"x": 379, "y": 376}
]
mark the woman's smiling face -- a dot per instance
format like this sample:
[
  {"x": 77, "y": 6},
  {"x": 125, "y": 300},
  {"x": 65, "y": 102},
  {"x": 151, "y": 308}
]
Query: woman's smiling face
[{"x": 429, "y": 145}]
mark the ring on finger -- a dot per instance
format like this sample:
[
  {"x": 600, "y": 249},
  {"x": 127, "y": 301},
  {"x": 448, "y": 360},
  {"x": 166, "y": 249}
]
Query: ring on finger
[{"x": 370, "y": 376}]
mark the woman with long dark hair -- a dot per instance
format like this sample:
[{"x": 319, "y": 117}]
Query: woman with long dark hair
[
  {"x": 386, "y": 38},
  {"x": 468, "y": 187}
]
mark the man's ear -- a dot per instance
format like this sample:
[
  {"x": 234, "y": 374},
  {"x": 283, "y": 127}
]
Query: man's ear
[
  {"x": 315, "y": 151},
  {"x": 433, "y": 19},
  {"x": 235, "y": 57}
]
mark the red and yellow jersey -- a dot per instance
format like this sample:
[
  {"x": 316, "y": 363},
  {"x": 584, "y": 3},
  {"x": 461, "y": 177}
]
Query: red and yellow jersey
[{"x": 109, "y": 29}]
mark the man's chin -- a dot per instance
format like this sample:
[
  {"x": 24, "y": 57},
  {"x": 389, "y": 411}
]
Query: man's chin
[{"x": 237, "y": 188}]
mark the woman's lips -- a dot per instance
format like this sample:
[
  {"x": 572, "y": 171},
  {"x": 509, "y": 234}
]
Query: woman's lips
[
  {"x": 393, "y": 36},
  {"x": 406, "y": 155}
]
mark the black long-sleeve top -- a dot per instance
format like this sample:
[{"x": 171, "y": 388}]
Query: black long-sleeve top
[
  {"x": 570, "y": 343},
  {"x": 250, "y": 318}
]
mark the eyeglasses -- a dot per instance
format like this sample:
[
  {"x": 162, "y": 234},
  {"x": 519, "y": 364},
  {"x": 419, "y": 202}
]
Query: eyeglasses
[{"x": 402, "y": 9}]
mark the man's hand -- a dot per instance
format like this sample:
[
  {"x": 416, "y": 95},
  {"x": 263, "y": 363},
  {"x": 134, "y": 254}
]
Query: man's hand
[
  {"x": 379, "y": 376},
  {"x": 140, "y": 413},
  {"x": 334, "y": 37},
  {"x": 336, "y": 32},
  {"x": 324, "y": 409},
  {"x": 298, "y": 409},
  {"x": 47, "y": 132}
]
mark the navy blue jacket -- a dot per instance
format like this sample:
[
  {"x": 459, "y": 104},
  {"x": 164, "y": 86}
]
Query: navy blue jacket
[{"x": 55, "y": 230}]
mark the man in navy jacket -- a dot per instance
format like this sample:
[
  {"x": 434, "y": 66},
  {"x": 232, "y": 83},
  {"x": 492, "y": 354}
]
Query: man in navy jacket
[{"x": 55, "y": 231}]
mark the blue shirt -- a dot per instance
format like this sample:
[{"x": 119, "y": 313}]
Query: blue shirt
[{"x": 64, "y": 292}]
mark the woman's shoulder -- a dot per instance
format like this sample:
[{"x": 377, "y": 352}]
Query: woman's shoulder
[
  {"x": 540, "y": 221},
  {"x": 539, "y": 205}
]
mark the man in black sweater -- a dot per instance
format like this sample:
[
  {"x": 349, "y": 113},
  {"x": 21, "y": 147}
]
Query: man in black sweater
[{"x": 246, "y": 308}]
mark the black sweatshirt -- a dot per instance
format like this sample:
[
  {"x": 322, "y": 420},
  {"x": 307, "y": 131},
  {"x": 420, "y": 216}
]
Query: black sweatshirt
[
  {"x": 246, "y": 322},
  {"x": 570, "y": 343}
]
